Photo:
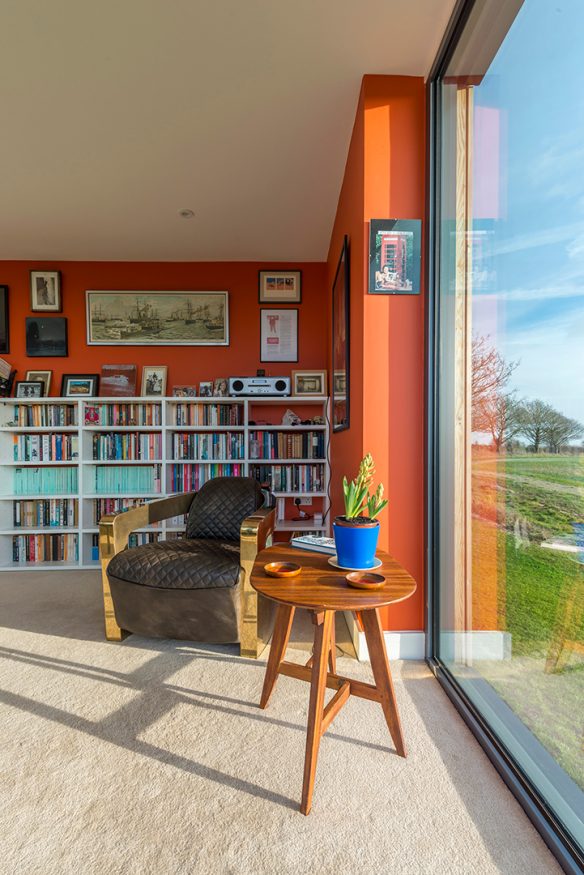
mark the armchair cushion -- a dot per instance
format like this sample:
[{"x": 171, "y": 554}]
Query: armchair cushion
[
  {"x": 221, "y": 505},
  {"x": 179, "y": 564}
]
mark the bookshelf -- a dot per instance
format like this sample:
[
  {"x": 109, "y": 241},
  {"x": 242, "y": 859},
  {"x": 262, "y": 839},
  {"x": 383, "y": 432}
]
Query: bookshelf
[{"x": 65, "y": 462}]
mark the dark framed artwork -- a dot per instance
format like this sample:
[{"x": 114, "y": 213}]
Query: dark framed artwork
[
  {"x": 341, "y": 342},
  {"x": 280, "y": 287},
  {"x": 74, "y": 385},
  {"x": 29, "y": 389},
  {"x": 45, "y": 291},
  {"x": 46, "y": 336},
  {"x": 279, "y": 335},
  {"x": 4, "y": 327},
  {"x": 395, "y": 247}
]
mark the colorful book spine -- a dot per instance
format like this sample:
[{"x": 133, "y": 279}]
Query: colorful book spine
[
  {"x": 288, "y": 445},
  {"x": 140, "y": 479},
  {"x": 102, "y": 506},
  {"x": 290, "y": 478},
  {"x": 45, "y": 481},
  {"x": 192, "y": 413},
  {"x": 45, "y": 415},
  {"x": 45, "y": 447},
  {"x": 45, "y": 513},
  {"x": 131, "y": 446},
  {"x": 190, "y": 478},
  {"x": 45, "y": 548},
  {"x": 212, "y": 445},
  {"x": 122, "y": 415}
]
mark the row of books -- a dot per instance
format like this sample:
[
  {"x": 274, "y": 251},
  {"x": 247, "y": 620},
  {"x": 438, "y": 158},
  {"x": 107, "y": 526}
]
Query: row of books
[
  {"x": 45, "y": 481},
  {"x": 290, "y": 478},
  {"x": 208, "y": 414},
  {"x": 101, "y": 506},
  {"x": 190, "y": 478},
  {"x": 284, "y": 445},
  {"x": 44, "y": 415},
  {"x": 45, "y": 548},
  {"x": 45, "y": 447},
  {"x": 127, "y": 445},
  {"x": 45, "y": 513},
  {"x": 141, "y": 479},
  {"x": 115, "y": 414},
  {"x": 216, "y": 445}
]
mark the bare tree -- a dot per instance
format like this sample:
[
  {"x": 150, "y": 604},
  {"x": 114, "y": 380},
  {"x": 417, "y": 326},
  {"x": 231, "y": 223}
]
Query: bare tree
[
  {"x": 490, "y": 375},
  {"x": 560, "y": 430},
  {"x": 535, "y": 417},
  {"x": 502, "y": 418}
]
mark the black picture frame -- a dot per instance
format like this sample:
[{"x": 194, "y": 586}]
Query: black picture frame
[
  {"x": 22, "y": 385},
  {"x": 341, "y": 342},
  {"x": 93, "y": 379},
  {"x": 4, "y": 320},
  {"x": 46, "y": 336},
  {"x": 395, "y": 256}
]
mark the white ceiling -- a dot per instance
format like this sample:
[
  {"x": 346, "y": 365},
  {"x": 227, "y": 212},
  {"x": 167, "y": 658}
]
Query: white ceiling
[{"x": 118, "y": 113}]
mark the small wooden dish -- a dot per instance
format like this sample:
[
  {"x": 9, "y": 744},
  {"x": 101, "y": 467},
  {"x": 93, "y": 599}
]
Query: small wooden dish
[
  {"x": 365, "y": 580},
  {"x": 282, "y": 569}
]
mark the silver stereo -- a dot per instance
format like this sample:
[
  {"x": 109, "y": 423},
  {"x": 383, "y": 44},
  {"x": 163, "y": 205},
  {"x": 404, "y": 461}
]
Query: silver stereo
[{"x": 259, "y": 385}]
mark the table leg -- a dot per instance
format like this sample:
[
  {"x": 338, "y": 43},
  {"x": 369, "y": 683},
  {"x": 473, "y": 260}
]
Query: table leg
[
  {"x": 382, "y": 674},
  {"x": 282, "y": 627},
  {"x": 332, "y": 657},
  {"x": 322, "y": 634}
]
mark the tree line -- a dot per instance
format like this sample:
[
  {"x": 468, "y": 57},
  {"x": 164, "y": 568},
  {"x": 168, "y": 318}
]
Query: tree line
[{"x": 504, "y": 416}]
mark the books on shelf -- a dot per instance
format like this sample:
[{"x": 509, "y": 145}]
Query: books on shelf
[
  {"x": 190, "y": 478},
  {"x": 193, "y": 413},
  {"x": 113, "y": 414},
  {"x": 212, "y": 445},
  {"x": 142, "y": 479},
  {"x": 287, "y": 445},
  {"x": 290, "y": 478},
  {"x": 101, "y": 506},
  {"x": 45, "y": 481},
  {"x": 45, "y": 548},
  {"x": 44, "y": 415},
  {"x": 133, "y": 446},
  {"x": 45, "y": 447},
  {"x": 45, "y": 513},
  {"x": 316, "y": 543}
]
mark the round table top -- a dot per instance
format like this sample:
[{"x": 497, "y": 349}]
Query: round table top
[{"x": 320, "y": 586}]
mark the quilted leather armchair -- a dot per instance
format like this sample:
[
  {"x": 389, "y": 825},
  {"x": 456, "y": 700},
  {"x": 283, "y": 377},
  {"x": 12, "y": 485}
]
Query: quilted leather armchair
[{"x": 197, "y": 587}]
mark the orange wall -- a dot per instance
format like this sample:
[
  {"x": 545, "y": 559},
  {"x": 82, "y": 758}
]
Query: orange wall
[
  {"x": 384, "y": 178},
  {"x": 187, "y": 365}
]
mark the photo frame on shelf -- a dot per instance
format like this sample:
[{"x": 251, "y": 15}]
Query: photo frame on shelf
[
  {"x": 395, "y": 247},
  {"x": 117, "y": 381},
  {"x": 126, "y": 318},
  {"x": 341, "y": 342},
  {"x": 206, "y": 389},
  {"x": 46, "y": 336},
  {"x": 45, "y": 291},
  {"x": 29, "y": 389},
  {"x": 280, "y": 286},
  {"x": 43, "y": 376},
  {"x": 279, "y": 335},
  {"x": 154, "y": 380},
  {"x": 4, "y": 323},
  {"x": 220, "y": 388},
  {"x": 309, "y": 383},
  {"x": 184, "y": 391},
  {"x": 79, "y": 385}
]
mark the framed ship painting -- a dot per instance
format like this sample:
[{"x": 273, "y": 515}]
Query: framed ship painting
[{"x": 157, "y": 318}]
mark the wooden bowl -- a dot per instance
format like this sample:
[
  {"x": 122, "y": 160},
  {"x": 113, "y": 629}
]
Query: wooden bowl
[
  {"x": 365, "y": 580},
  {"x": 282, "y": 569}
]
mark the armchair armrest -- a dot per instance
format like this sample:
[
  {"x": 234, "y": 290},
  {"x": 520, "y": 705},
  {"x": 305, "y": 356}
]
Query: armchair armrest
[
  {"x": 255, "y": 533},
  {"x": 116, "y": 528}
]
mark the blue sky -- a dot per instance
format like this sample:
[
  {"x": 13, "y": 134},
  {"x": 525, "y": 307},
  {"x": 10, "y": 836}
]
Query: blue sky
[{"x": 532, "y": 304}]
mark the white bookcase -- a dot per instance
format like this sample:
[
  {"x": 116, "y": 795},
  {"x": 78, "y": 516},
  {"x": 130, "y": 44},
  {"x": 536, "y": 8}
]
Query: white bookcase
[{"x": 167, "y": 456}]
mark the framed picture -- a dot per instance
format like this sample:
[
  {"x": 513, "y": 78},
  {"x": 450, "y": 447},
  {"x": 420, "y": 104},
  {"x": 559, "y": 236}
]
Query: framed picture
[
  {"x": 29, "y": 389},
  {"x": 157, "y": 318},
  {"x": 75, "y": 385},
  {"x": 341, "y": 342},
  {"x": 309, "y": 382},
  {"x": 45, "y": 291},
  {"x": 220, "y": 387},
  {"x": 46, "y": 336},
  {"x": 43, "y": 376},
  {"x": 154, "y": 380},
  {"x": 117, "y": 381},
  {"x": 280, "y": 286},
  {"x": 205, "y": 389},
  {"x": 395, "y": 247},
  {"x": 4, "y": 335},
  {"x": 279, "y": 335},
  {"x": 184, "y": 391}
]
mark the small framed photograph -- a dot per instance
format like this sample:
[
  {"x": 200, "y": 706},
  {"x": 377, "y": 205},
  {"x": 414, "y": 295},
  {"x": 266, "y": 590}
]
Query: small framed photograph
[
  {"x": 29, "y": 389},
  {"x": 279, "y": 335},
  {"x": 76, "y": 385},
  {"x": 206, "y": 389},
  {"x": 184, "y": 391},
  {"x": 309, "y": 383},
  {"x": 395, "y": 247},
  {"x": 4, "y": 336},
  {"x": 154, "y": 380},
  {"x": 46, "y": 337},
  {"x": 280, "y": 286},
  {"x": 44, "y": 377},
  {"x": 45, "y": 291},
  {"x": 220, "y": 387},
  {"x": 117, "y": 381}
]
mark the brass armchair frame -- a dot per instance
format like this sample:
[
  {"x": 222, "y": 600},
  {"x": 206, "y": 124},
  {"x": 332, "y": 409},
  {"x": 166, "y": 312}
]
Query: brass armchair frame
[{"x": 255, "y": 534}]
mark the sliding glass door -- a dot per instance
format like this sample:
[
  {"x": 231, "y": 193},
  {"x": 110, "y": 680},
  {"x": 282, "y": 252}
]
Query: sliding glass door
[{"x": 508, "y": 520}]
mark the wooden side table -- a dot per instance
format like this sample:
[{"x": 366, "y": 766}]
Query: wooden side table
[{"x": 322, "y": 590}]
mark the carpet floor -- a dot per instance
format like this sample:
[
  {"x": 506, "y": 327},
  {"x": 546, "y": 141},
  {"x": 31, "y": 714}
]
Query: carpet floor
[{"x": 153, "y": 757}]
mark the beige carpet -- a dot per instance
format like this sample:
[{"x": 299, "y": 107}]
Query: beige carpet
[{"x": 152, "y": 757}]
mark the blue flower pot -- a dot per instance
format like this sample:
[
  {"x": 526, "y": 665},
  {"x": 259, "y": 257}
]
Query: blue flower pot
[{"x": 355, "y": 544}]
